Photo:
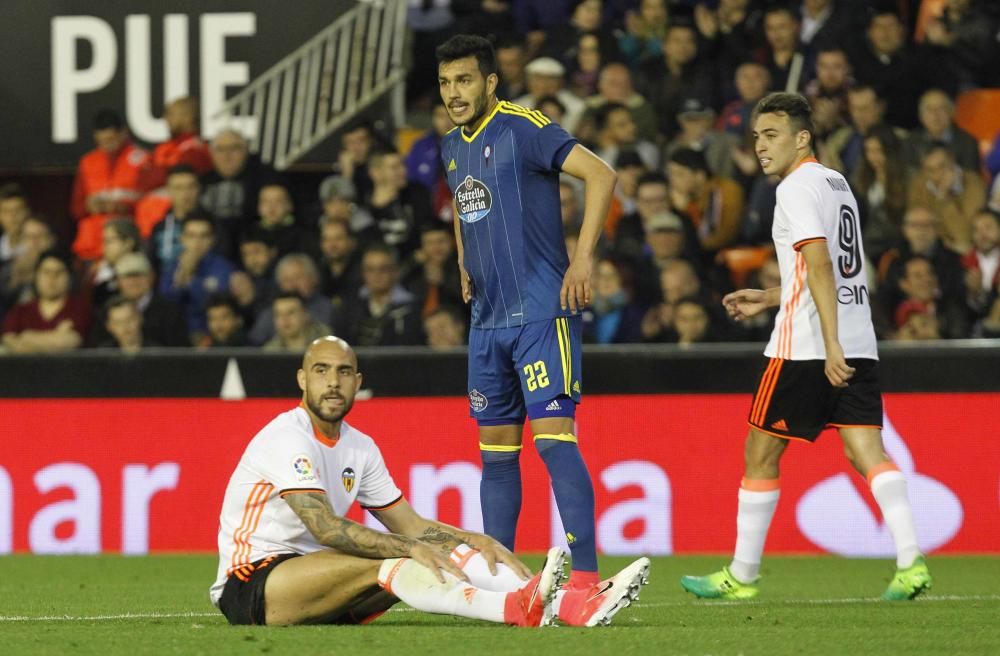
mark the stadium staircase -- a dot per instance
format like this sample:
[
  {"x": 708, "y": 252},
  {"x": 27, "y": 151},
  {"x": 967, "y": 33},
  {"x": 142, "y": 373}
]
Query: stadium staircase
[{"x": 325, "y": 83}]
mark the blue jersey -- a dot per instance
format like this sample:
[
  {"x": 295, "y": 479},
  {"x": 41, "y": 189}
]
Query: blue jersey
[{"x": 505, "y": 182}]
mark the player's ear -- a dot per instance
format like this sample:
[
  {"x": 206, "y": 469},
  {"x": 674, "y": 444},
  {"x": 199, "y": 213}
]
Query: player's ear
[
  {"x": 300, "y": 377},
  {"x": 358, "y": 380},
  {"x": 492, "y": 82}
]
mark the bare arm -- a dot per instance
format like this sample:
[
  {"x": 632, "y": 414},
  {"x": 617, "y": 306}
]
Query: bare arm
[
  {"x": 745, "y": 303},
  {"x": 819, "y": 277},
  {"x": 351, "y": 538},
  {"x": 599, "y": 183},
  {"x": 62, "y": 338}
]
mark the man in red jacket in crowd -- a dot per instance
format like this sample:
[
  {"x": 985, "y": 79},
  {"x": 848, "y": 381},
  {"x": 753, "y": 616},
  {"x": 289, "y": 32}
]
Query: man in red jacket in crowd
[
  {"x": 184, "y": 145},
  {"x": 109, "y": 181}
]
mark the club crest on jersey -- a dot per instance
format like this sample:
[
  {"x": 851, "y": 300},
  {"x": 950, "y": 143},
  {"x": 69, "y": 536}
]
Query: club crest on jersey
[
  {"x": 347, "y": 478},
  {"x": 473, "y": 200},
  {"x": 477, "y": 401},
  {"x": 487, "y": 151},
  {"x": 304, "y": 469}
]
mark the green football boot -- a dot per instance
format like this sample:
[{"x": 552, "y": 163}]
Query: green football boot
[
  {"x": 720, "y": 585},
  {"x": 909, "y": 583}
]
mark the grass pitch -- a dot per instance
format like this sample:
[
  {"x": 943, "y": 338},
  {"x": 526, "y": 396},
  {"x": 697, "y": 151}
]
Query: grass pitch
[{"x": 113, "y": 605}]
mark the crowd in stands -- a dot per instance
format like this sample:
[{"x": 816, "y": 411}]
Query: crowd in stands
[{"x": 198, "y": 243}]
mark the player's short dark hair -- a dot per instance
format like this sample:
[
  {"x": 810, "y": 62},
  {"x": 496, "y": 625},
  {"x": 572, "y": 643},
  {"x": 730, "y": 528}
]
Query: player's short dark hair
[
  {"x": 917, "y": 257},
  {"x": 691, "y": 159},
  {"x": 13, "y": 190},
  {"x": 254, "y": 234},
  {"x": 196, "y": 217},
  {"x": 604, "y": 112},
  {"x": 794, "y": 106},
  {"x": 935, "y": 146},
  {"x": 832, "y": 47},
  {"x": 108, "y": 119},
  {"x": 288, "y": 295},
  {"x": 379, "y": 247},
  {"x": 461, "y": 46},
  {"x": 116, "y": 301},
  {"x": 652, "y": 178},
  {"x": 55, "y": 254},
  {"x": 782, "y": 8},
  {"x": 223, "y": 299},
  {"x": 181, "y": 169}
]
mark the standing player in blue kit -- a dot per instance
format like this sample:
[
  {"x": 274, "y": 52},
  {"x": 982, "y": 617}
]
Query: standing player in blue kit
[{"x": 503, "y": 163}]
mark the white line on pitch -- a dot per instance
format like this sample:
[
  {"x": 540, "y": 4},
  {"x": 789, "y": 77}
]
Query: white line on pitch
[
  {"x": 816, "y": 602},
  {"x": 99, "y": 618}
]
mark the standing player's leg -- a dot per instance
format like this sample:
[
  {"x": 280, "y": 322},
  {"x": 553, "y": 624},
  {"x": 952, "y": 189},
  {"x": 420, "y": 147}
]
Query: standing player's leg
[
  {"x": 548, "y": 361},
  {"x": 496, "y": 404}
]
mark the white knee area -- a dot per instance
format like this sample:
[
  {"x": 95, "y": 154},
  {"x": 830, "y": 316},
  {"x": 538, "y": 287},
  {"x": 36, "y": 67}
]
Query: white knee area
[
  {"x": 419, "y": 587},
  {"x": 476, "y": 568}
]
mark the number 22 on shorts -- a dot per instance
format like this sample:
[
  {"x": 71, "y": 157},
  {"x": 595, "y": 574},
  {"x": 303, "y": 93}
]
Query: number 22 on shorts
[{"x": 535, "y": 376}]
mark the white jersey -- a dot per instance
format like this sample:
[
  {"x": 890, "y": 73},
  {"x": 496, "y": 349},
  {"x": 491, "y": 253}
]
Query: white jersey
[
  {"x": 289, "y": 456},
  {"x": 814, "y": 203}
]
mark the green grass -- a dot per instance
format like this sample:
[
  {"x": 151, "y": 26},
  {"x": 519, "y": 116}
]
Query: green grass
[{"x": 808, "y": 606}]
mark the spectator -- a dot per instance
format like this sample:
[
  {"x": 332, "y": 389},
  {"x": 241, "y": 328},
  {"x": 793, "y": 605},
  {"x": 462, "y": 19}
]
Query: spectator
[
  {"x": 554, "y": 110},
  {"x": 692, "y": 322},
  {"x": 569, "y": 204},
  {"x": 400, "y": 208},
  {"x": 982, "y": 263},
  {"x": 844, "y": 148},
  {"x": 183, "y": 189},
  {"x": 357, "y": 142},
  {"x": 547, "y": 77},
  {"x": 423, "y": 162},
  {"x": 341, "y": 270},
  {"x": 123, "y": 321},
  {"x": 614, "y": 84},
  {"x": 587, "y": 58},
  {"x": 758, "y": 328},
  {"x": 294, "y": 327},
  {"x": 278, "y": 220},
  {"x": 916, "y": 321},
  {"x": 230, "y": 189},
  {"x": 899, "y": 72},
  {"x": 990, "y": 326},
  {"x": 964, "y": 36},
  {"x": 678, "y": 280},
  {"x": 382, "y": 313},
  {"x": 196, "y": 274},
  {"x": 14, "y": 211},
  {"x": 109, "y": 182},
  {"x": 162, "y": 320},
  {"x": 789, "y": 65},
  {"x": 253, "y": 287},
  {"x": 652, "y": 197},
  {"x": 510, "y": 64},
  {"x": 56, "y": 320},
  {"x": 616, "y": 132},
  {"x": 755, "y": 226},
  {"x": 295, "y": 273},
  {"x": 225, "y": 323},
  {"x": 937, "y": 126},
  {"x": 630, "y": 169},
  {"x": 566, "y": 42},
  {"x": 714, "y": 204},
  {"x": 184, "y": 146},
  {"x": 825, "y": 23},
  {"x": 445, "y": 328},
  {"x": 645, "y": 31},
  {"x": 950, "y": 192},
  {"x": 339, "y": 199},
  {"x": 664, "y": 244},
  {"x": 17, "y": 275},
  {"x": 99, "y": 284},
  {"x": 612, "y": 317},
  {"x": 919, "y": 283},
  {"x": 676, "y": 75},
  {"x": 752, "y": 83},
  {"x": 729, "y": 34},
  {"x": 880, "y": 183},
  {"x": 719, "y": 148},
  {"x": 827, "y": 92},
  {"x": 430, "y": 274}
]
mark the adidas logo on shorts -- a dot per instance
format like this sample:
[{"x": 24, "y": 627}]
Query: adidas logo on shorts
[{"x": 554, "y": 405}]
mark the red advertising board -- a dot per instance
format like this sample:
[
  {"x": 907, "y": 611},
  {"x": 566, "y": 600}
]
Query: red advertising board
[{"x": 149, "y": 475}]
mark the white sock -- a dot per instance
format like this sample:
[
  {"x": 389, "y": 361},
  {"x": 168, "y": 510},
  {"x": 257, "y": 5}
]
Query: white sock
[
  {"x": 420, "y": 588},
  {"x": 471, "y": 562},
  {"x": 889, "y": 490},
  {"x": 752, "y": 522}
]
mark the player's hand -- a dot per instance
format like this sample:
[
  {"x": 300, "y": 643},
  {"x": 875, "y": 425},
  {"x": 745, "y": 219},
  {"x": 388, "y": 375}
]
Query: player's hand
[
  {"x": 837, "y": 371},
  {"x": 575, "y": 292},
  {"x": 494, "y": 552},
  {"x": 433, "y": 559},
  {"x": 466, "y": 284},
  {"x": 745, "y": 303}
]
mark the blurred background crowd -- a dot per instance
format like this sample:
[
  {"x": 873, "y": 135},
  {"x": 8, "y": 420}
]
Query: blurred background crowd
[{"x": 196, "y": 242}]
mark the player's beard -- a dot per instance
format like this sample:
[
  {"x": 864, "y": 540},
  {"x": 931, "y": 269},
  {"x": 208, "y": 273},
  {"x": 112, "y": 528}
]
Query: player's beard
[
  {"x": 478, "y": 109},
  {"x": 315, "y": 406}
]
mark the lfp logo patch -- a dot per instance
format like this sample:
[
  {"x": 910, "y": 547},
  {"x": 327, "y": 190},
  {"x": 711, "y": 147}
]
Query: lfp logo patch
[
  {"x": 477, "y": 401},
  {"x": 303, "y": 467},
  {"x": 347, "y": 478},
  {"x": 473, "y": 200}
]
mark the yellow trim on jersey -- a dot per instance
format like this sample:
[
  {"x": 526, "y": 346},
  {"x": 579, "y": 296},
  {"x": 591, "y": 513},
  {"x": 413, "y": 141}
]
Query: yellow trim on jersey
[
  {"x": 515, "y": 108},
  {"x": 482, "y": 125},
  {"x": 499, "y": 448},
  {"x": 563, "y": 353},
  {"x": 561, "y": 437},
  {"x": 537, "y": 118}
]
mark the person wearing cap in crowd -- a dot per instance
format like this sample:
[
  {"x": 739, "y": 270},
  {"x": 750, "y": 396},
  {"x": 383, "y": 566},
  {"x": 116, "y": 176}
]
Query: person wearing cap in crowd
[
  {"x": 696, "y": 120},
  {"x": 339, "y": 199},
  {"x": 56, "y": 320},
  {"x": 665, "y": 243},
  {"x": 162, "y": 319},
  {"x": 547, "y": 77}
]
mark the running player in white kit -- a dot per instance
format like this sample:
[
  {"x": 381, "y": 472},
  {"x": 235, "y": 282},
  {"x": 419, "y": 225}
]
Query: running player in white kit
[
  {"x": 287, "y": 554},
  {"x": 821, "y": 367}
]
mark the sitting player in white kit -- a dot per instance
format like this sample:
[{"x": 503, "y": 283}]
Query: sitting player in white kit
[{"x": 287, "y": 554}]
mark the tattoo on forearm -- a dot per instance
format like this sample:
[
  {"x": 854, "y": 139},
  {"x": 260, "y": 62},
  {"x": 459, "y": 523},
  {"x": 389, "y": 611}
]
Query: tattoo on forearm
[
  {"x": 342, "y": 534},
  {"x": 438, "y": 536}
]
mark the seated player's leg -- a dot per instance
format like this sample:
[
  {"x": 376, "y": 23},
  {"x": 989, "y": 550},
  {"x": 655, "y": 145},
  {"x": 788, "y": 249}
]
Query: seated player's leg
[
  {"x": 496, "y": 404},
  {"x": 858, "y": 418},
  {"x": 547, "y": 358},
  {"x": 322, "y": 587},
  {"x": 472, "y": 563}
]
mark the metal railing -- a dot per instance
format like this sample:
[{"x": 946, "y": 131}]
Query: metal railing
[{"x": 323, "y": 84}]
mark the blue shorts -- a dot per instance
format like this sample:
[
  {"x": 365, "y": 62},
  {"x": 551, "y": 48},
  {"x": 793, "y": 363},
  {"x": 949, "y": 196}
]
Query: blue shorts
[{"x": 534, "y": 370}]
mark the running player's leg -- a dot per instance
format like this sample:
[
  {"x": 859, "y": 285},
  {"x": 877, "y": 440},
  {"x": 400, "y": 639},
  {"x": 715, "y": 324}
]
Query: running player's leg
[
  {"x": 496, "y": 404},
  {"x": 548, "y": 361}
]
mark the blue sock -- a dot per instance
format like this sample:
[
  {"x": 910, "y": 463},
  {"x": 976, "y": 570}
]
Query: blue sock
[
  {"x": 574, "y": 496},
  {"x": 500, "y": 494}
]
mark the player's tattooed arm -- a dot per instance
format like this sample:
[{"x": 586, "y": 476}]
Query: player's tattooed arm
[
  {"x": 340, "y": 533},
  {"x": 441, "y": 537}
]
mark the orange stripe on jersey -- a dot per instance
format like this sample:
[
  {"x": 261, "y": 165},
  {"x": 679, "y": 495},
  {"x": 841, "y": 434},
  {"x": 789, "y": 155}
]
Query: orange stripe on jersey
[
  {"x": 807, "y": 160},
  {"x": 802, "y": 242},
  {"x": 785, "y": 334},
  {"x": 258, "y": 512},
  {"x": 251, "y": 517},
  {"x": 758, "y": 398},
  {"x": 243, "y": 522},
  {"x": 772, "y": 383}
]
